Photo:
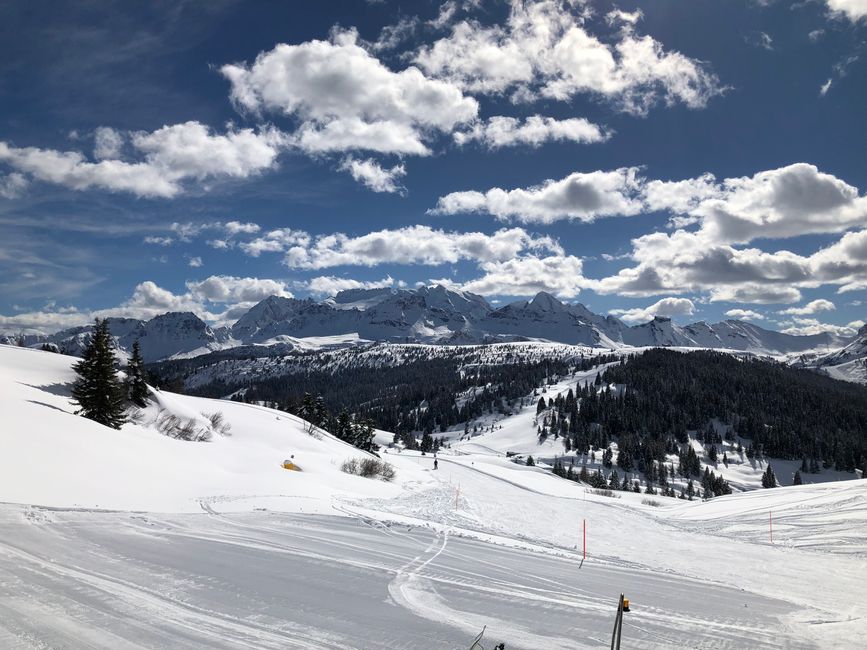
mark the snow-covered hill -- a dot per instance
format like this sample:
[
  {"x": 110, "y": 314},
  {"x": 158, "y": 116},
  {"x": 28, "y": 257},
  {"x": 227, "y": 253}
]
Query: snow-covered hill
[
  {"x": 427, "y": 560},
  {"x": 52, "y": 457}
]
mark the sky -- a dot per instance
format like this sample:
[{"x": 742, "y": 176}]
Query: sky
[{"x": 696, "y": 159}]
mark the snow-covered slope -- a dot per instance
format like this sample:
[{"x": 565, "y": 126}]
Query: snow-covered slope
[
  {"x": 52, "y": 457},
  {"x": 849, "y": 363},
  {"x": 408, "y": 564}
]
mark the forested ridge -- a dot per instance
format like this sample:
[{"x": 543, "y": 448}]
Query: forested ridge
[{"x": 784, "y": 412}]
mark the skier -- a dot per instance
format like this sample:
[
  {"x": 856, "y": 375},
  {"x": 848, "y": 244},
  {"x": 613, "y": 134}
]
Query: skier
[{"x": 436, "y": 463}]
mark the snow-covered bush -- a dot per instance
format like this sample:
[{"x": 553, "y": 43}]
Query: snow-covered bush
[
  {"x": 173, "y": 426},
  {"x": 368, "y": 468}
]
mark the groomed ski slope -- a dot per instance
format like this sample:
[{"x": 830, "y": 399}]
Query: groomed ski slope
[{"x": 230, "y": 550}]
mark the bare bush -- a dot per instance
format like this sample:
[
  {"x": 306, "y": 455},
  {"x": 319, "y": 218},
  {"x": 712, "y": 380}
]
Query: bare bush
[
  {"x": 218, "y": 423},
  {"x": 369, "y": 468},
  {"x": 604, "y": 493},
  {"x": 172, "y": 426},
  {"x": 650, "y": 502}
]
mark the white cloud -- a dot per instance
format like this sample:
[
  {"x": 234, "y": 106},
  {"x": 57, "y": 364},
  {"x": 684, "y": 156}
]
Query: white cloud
[
  {"x": 760, "y": 39},
  {"x": 13, "y": 185},
  {"x": 274, "y": 241},
  {"x": 415, "y": 245},
  {"x": 854, "y": 10},
  {"x": 809, "y": 326},
  {"x": 744, "y": 314},
  {"x": 107, "y": 143},
  {"x": 393, "y": 35},
  {"x": 581, "y": 196},
  {"x": 812, "y": 307},
  {"x": 372, "y": 175},
  {"x": 825, "y": 87},
  {"x": 536, "y": 130},
  {"x": 195, "y": 262},
  {"x": 544, "y": 50},
  {"x": 158, "y": 241},
  {"x": 665, "y": 307},
  {"x": 775, "y": 204},
  {"x": 362, "y": 105},
  {"x": 329, "y": 285},
  {"x": 229, "y": 289},
  {"x": 561, "y": 275},
  {"x": 171, "y": 156}
]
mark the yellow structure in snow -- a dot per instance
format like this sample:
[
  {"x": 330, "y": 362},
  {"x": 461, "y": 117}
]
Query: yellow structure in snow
[{"x": 288, "y": 464}]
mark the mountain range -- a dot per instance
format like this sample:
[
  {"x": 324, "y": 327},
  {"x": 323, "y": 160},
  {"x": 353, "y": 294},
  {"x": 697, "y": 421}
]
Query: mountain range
[{"x": 434, "y": 315}]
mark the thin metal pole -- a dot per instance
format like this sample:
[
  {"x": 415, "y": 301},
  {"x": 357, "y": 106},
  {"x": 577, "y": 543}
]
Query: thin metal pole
[
  {"x": 618, "y": 622},
  {"x": 771, "y": 526}
]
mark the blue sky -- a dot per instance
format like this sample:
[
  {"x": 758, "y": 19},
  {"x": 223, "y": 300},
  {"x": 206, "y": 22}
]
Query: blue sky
[{"x": 690, "y": 158}]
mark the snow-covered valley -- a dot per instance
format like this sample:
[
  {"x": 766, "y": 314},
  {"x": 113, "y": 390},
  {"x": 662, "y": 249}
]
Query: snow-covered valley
[{"x": 131, "y": 539}]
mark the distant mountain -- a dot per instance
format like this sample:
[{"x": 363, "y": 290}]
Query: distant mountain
[
  {"x": 848, "y": 363},
  {"x": 433, "y": 315},
  {"x": 174, "y": 334}
]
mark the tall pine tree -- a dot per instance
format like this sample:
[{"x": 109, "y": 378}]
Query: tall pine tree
[
  {"x": 98, "y": 391},
  {"x": 136, "y": 388}
]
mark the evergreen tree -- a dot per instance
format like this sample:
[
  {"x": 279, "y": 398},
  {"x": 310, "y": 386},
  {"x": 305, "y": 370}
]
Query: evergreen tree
[
  {"x": 769, "y": 480},
  {"x": 98, "y": 390},
  {"x": 530, "y": 461},
  {"x": 136, "y": 388},
  {"x": 797, "y": 480}
]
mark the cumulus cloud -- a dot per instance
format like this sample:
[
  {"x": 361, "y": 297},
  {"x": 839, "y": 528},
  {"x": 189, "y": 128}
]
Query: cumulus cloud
[
  {"x": 363, "y": 105},
  {"x": 744, "y": 314},
  {"x": 371, "y": 174},
  {"x": 167, "y": 159},
  {"x": 329, "y": 285},
  {"x": 275, "y": 241},
  {"x": 666, "y": 307},
  {"x": 534, "y": 131},
  {"x": 776, "y": 204},
  {"x": 809, "y": 326},
  {"x": 415, "y": 245},
  {"x": 854, "y": 10},
  {"x": 812, "y": 307},
  {"x": 230, "y": 289},
  {"x": 544, "y": 51},
  {"x": 560, "y": 275},
  {"x": 195, "y": 262},
  {"x": 580, "y": 196}
]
